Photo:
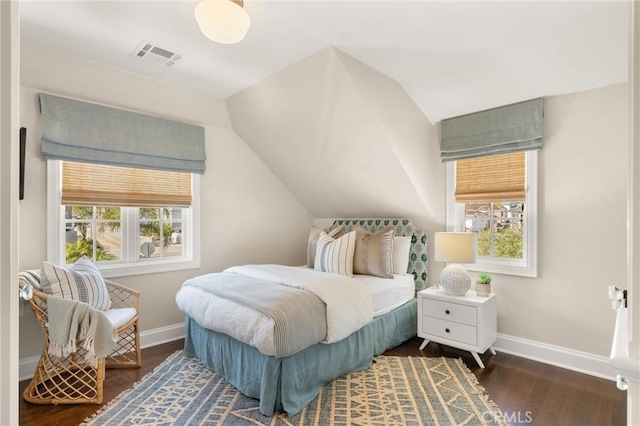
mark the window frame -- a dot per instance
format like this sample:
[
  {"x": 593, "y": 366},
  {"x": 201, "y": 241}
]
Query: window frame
[
  {"x": 56, "y": 252},
  {"x": 455, "y": 222}
]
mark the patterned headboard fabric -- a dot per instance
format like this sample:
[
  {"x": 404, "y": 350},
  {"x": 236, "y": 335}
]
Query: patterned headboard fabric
[{"x": 418, "y": 253}]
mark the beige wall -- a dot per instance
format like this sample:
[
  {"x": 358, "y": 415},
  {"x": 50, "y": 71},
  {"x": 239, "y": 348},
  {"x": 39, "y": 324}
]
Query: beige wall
[
  {"x": 582, "y": 226},
  {"x": 346, "y": 139},
  {"x": 248, "y": 216}
]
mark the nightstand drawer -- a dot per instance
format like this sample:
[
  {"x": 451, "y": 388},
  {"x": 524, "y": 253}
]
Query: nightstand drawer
[
  {"x": 450, "y": 330},
  {"x": 450, "y": 311}
]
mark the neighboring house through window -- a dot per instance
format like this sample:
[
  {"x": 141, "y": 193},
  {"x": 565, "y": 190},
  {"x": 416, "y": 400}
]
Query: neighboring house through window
[{"x": 505, "y": 223}]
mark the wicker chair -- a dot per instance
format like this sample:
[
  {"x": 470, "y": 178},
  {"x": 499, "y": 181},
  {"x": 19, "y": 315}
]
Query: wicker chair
[{"x": 71, "y": 379}]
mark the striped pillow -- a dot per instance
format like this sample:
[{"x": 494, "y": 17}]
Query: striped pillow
[
  {"x": 82, "y": 281},
  {"x": 313, "y": 241},
  {"x": 335, "y": 256}
]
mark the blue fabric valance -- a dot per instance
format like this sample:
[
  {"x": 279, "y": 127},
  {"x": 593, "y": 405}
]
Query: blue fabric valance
[
  {"x": 507, "y": 129},
  {"x": 90, "y": 133}
]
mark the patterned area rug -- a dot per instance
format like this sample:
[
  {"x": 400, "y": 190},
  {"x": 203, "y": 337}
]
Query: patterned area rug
[{"x": 395, "y": 391}]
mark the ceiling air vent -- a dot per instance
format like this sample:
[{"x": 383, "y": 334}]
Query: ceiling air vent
[{"x": 156, "y": 54}]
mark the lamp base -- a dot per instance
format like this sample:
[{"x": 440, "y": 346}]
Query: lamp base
[{"x": 455, "y": 280}]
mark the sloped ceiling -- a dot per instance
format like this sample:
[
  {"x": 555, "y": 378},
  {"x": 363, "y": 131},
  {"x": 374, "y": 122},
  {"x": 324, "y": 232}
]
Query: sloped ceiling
[
  {"x": 350, "y": 139},
  {"x": 346, "y": 140},
  {"x": 452, "y": 57}
]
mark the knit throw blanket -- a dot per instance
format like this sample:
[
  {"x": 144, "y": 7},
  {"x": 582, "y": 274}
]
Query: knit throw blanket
[{"x": 71, "y": 322}]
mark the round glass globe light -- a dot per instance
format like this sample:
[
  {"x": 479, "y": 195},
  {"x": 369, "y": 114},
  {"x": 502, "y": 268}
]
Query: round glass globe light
[{"x": 222, "y": 21}]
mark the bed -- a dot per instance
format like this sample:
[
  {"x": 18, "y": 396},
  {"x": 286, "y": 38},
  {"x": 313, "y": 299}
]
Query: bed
[{"x": 289, "y": 381}]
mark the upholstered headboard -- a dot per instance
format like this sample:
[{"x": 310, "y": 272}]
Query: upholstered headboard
[{"x": 404, "y": 227}]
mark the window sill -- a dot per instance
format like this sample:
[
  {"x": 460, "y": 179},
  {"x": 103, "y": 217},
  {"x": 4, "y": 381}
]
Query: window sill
[
  {"x": 503, "y": 268},
  {"x": 150, "y": 267}
]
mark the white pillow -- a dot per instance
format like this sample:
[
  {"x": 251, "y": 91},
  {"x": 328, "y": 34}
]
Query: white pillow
[
  {"x": 400, "y": 254},
  {"x": 335, "y": 256},
  {"x": 81, "y": 281}
]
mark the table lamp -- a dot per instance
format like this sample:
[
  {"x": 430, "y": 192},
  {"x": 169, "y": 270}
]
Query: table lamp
[{"x": 455, "y": 248}]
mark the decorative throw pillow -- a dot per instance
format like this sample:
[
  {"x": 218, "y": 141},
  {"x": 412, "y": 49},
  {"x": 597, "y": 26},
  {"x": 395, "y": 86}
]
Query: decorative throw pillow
[
  {"x": 313, "y": 241},
  {"x": 81, "y": 281},
  {"x": 373, "y": 253},
  {"x": 401, "y": 251},
  {"x": 335, "y": 255}
]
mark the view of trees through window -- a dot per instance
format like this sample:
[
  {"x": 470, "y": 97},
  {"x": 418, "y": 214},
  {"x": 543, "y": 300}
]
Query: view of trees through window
[
  {"x": 500, "y": 227},
  {"x": 97, "y": 232}
]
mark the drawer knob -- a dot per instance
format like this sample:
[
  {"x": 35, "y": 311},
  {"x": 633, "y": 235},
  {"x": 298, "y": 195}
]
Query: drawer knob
[
  {"x": 446, "y": 329},
  {"x": 447, "y": 312}
]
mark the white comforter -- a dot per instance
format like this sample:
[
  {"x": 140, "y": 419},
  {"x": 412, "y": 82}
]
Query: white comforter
[{"x": 349, "y": 306}]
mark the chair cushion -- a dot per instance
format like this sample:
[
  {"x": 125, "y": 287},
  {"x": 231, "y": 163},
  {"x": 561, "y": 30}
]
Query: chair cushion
[{"x": 120, "y": 316}]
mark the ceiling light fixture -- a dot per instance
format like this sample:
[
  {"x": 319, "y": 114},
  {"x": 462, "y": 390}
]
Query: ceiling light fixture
[{"x": 223, "y": 21}]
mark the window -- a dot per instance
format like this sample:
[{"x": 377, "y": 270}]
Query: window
[
  {"x": 123, "y": 219},
  {"x": 496, "y": 197}
]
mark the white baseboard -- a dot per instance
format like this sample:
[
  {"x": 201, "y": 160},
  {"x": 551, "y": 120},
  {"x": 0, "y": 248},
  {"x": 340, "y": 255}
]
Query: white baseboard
[
  {"x": 161, "y": 335},
  {"x": 558, "y": 356},
  {"x": 156, "y": 336},
  {"x": 27, "y": 367},
  {"x": 582, "y": 362}
]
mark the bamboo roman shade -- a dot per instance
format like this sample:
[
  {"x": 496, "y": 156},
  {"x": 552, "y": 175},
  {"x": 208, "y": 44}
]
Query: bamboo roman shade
[
  {"x": 511, "y": 128},
  {"x": 99, "y": 185},
  {"x": 495, "y": 178},
  {"x": 91, "y": 133}
]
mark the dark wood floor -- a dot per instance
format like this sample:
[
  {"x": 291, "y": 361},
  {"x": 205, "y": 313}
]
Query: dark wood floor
[
  {"x": 116, "y": 380},
  {"x": 527, "y": 392},
  {"x": 530, "y": 392}
]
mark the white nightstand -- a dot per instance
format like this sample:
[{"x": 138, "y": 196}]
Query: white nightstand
[{"x": 466, "y": 322}]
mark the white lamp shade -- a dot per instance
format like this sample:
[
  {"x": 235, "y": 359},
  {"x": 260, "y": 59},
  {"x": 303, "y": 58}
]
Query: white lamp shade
[
  {"x": 223, "y": 21},
  {"x": 455, "y": 247}
]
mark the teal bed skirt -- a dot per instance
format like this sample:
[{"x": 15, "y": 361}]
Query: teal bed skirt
[{"x": 289, "y": 383}]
